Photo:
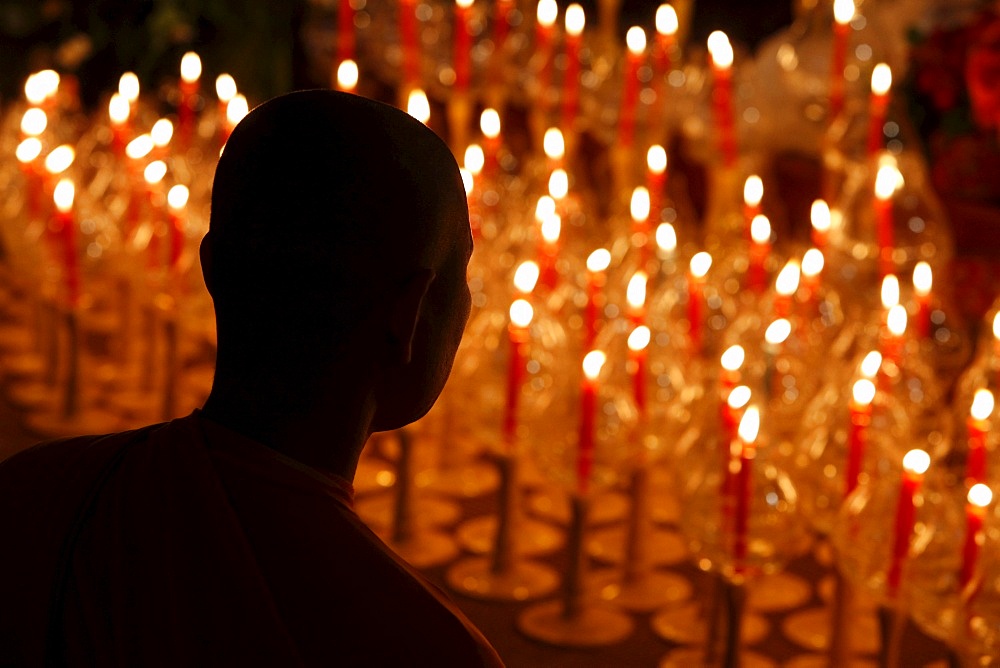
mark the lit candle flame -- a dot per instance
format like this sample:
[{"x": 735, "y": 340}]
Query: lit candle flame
[
  {"x": 639, "y": 338},
  {"x": 813, "y": 262},
  {"x": 576, "y": 19},
  {"x": 190, "y": 67},
  {"x": 225, "y": 87},
  {"x": 545, "y": 208},
  {"x": 118, "y": 109},
  {"x": 34, "y": 121},
  {"x": 554, "y": 144},
  {"x": 526, "y": 277},
  {"x": 475, "y": 159},
  {"x": 916, "y": 461},
  {"x": 635, "y": 293},
  {"x": 63, "y": 195},
  {"x": 819, "y": 215},
  {"x": 753, "y": 190},
  {"x": 996, "y": 326},
  {"x": 347, "y": 75},
  {"x": 546, "y": 13},
  {"x": 887, "y": 181},
  {"x": 788, "y": 279},
  {"x": 28, "y": 150},
  {"x": 489, "y": 121},
  {"x": 551, "y": 228},
  {"x": 558, "y": 184},
  {"x": 177, "y": 197},
  {"x": 139, "y": 147},
  {"x": 980, "y": 495},
  {"x": 890, "y": 291},
  {"x": 863, "y": 392},
  {"x": 418, "y": 106},
  {"x": 599, "y": 260},
  {"x": 843, "y": 11},
  {"x": 982, "y": 405},
  {"x": 720, "y": 49},
  {"x": 154, "y": 172},
  {"x": 237, "y": 108},
  {"x": 639, "y": 206},
  {"x": 732, "y": 359},
  {"x": 59, "y": 160},
  {"x": 896, "y": 320},
  {"x": 760, "y": 229},
  {"x": 464, "y": 4},
  {"x": 750, "y": 425},
  {"x": 739, "y": 397},
  {"x": 881, "y": 79},
  {"x": 35, "y": 89},
  {"x": 666, "y": 237},
  {"x": 700, "y": 264},
  {"x": 48, "y": 84},
  {"x": 521, "y": 313},
  {"x": 923, "y": 279},
  {"x": 162, "y": 132},
  {"x": 871, "y": 364},
  {"x": 592, "y": 364},
  {"x": 128, "y": 86},
  {"x": 778, "y": 331},
  {"x": 666, "y": 20},
  {"x": 656, "y": 159},
  {"x": 635, "y": 40}
]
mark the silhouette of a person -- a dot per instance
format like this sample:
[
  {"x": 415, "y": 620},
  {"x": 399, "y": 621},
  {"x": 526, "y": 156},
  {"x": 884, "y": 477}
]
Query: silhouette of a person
[{"x": 336, "y": 259}]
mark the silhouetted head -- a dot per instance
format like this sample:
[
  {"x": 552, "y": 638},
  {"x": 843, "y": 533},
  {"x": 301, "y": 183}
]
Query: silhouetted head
[{"x": 335, "y": 219}]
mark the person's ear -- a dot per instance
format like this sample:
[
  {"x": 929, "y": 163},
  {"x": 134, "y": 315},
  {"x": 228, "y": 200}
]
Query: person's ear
[{"x": 405, "y": 314}]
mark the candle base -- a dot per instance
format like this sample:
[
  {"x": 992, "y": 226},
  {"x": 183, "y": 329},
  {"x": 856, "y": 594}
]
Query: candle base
[
  {"x": 606, "y": 507},
  {"x": 663, "y": 548},
  {"x": 521, "y": 581},
  {"x": 811, "y": 629},
  {"x": 467, "y": 481},
  {"x": 591, "y": 626},
  {"x": 645, "y": 593},
  {"x": 534, "y": 538},
  {"x": 685, "y": 625}
]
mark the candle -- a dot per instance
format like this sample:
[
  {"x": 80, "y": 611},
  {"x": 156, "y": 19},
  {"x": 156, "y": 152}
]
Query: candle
[
  {"x": 345, "y": 30},
  {"x": 501, "y": 24},
  {"x": 812, "y": 266},
  {"x": 639, "y": 209},
  {"x": 843, "y": 14},
  {"x": 979, "y": 497},
  {"x": 559, "y": 189},
  {"x": 870, "y": 365},
  {"x": 161, "y": 133},
  {"x": 785, "y": 287},
  {"x": 59, "y": 159},
  {"x": 731, "y": 361},
  {"x": 153, "y": 175},
  {"x": 746, "y": 445},
  {"x": 721, "y": 52},
  {"x": 118, "y": 113},
  {"x": 753, "y": 193},
  {"x": 860, "y": 407},
  {"x": 638, "y": 341},
  {"x": 735, "y": 400},
  {"x": 978, "y": 427},
  {"x": 27, "y": 153},
  {"x": 462, "y": 62},
  {"x": 128, "y": 87},
  {"x": 774, "y": 339},
  {"x": 732, "y": 450},
  {"x": 593, "y": 362},
  {"x": 886, "y": 182},
  {"x": 760, "y": 251},
  {"x": 177, "y": 199},
  {"x": 65, "y": 226},
  {"x": 190, "y": 77},
  {"x": 489, "y": 124},
  {"x": 237, "y": 108},
  {"x": 408, "y": 42},
  {"x": 666, "y": 244},
  {"x": 36, "y": 89},
  {"x": 881, "y": 83},
  {"x": 635, "y": 296},
  {"x": 656, "y": 179},
  {"x": 819, "y": 216},
  {"x": 545, "y": 20},
  {"x": 923, "y": 280},
  {"x": 895, "y": 329},
  {"x": 635, "y": 41},
  {"x": 597, "y": 264},
  {"x": 521, "y": 314},
  {"x": 46, "y": 87},
  {"x": 575, "y": 22},
  {"x": 554, "y": 147},
  {"x": 666, "y": 30},
  {"x": 418, "y": 106},
  {"x": 915, "y": 464},
  {"x": 550, "y": 229},
  {"x": 698, "y": 270}
]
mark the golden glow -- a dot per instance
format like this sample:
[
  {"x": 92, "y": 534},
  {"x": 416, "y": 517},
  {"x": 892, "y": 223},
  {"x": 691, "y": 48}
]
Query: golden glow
[
  {"x": 896, "y": 320},
  {"x": 886, "y": 181},
  {"x": 551, "y": 228},
  {"x": 599, "y": 260},
  {"x": 28, "y": 150},
  {"x": 635, "y": 40},
  {"x": 347, "y": 75},
  {"x": 733, "y": 358},
  {"x": 881, "y": 79},
  {"x": 475, "y": 159},
  {"x": 546, "y": 13},
  {"x": 777, "y": 332},
  {"x": 526, "y": 277},
  {"x": 128, "y": 86},
  {"x": 33, "y": 122},
  {"x": 843, "y": 11},
  {"x": 489, "y": 122},
  {"x": 720, "y": 49},
  {"x": 553, "y": 144},
  {"x": 863, "y": 392},
  {"x": 576, "y": 19},
  {"x": 464, "y": 4},
  {"x": 190, "y": 67},
  {"x": 996, "y": 326},
  {"x": 812, "y": 262},
  {"x": 592, "y": 364},
  {"x": 750, "y": 425},
  {"x": 982, "y": 405},
  {"x": 161, "y": 132},
  {"x": 819, "y": 215},
  {"x": 635, "y": 293},
  {"x": 521, "y": 313},
  {"x": 760, "y": 229},
  {"x": 177, "y": 197},
  {"x": 63, "y": 195},
  {"x": 225, "y": 87},
  {"x": 788, "y": 279},
  {"x": 656, "y": 159},
  {"x": 139, "y": 147},
  {"x": 418, "y": 106},
  {"x": 558, "y": 184},
  {"x": 48, "y": 83},
  {"x": 980, "y": 495},
  {"x": 236, "y": 109},
  {"x": 739, "y": 397},
  {"x": 871, "y": 364},
  {"x": 666, "y": 20},
  {"x": 639, "y": 206},
  {"x": 700, "y": 264},
  {"x": 34, "y": 89},
  {"x": 890, "y": 291},
  {"x": 639, "y": 338},
  {"x": 753, "y": 190},
  {"x": 59, "y": 160},
  {"x": 923, "y": 279},
  {"x": 118, "y": 109},
  {"x": 916, "y": 461},
  {"x": 545, "y": 208},
  {"x": 666, "y": 237},
  {"x": 154, "y": 172}
]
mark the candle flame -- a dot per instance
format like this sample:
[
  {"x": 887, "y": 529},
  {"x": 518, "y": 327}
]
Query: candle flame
[
  {"x": 896, "y": 320},
  {"x": 558, "y": 184},
  {"x": 760, "y": 229},
  {"x": 464, "y": 4},
  {"x": 128, "y": 86},
  {"x": 35, "y": 89},
  {"x": 739, "y": 397},
  {"x": 843, "y": 11},
  {"x": 778, "y": 331},
  {"x": 592, "y": 364},
  {"x": 812, "y": 262},
  {"x": 177, "y": 197},
  {"x": 819, "y": 215},
  {"x": 551, "y": 228},
  {"x": 996, "y": 326},
  {"x": 863, "y": 392},
  {"x": 656, "y": 159},
  {"x": 635, "y": 40},
  {"x": 554, "y": 144},
  {"x": 576, "y": 19},
  {"x": 418, "y": 106},
  {"x": 916, "y": 461},
  {"x": 521, "y": 313},
  {"x": 639, "y": 206},
  {"x": 467, "y": 180},
  {"x": 475, "y": 159},
  {"x": 59, "y": 160},
  {"x": 635, "y": 293},
  {"x": 720, "y": 49},
  {"x": 639, "y": 338},
  {"x": 890, "y": 291},
  {"x": 732, "y": 359},
  {"x": 545, "y": 208},
  {"x": 666, "y": 237},
  {"x": 119, "y": 109},
  {"x": 753, "y": 190},
  {"x": 162, "y": 132},
  {"x": 599, "y": 260},
  {"x": 788, "y": 279},
  {"x": 887, "y": 181},
  {"x": 700, "y": 264},
  {"x": 154, "y": 172},
  {"x": 881, "y": 79},
  {"x": 526, "y": 277},
  {"x": 34, "y": 122},
  {"x": 48, "y": 84},
  {"x": 28, "y": 150},
  {"x": 666, "y": 20},
  {"x": 982, "y": 405},
  {"x": 923, "y": 279},
  {"x": 63, "y": 195},
  {"x": 546, "y": 13},
  {"x": 347, "y": 75},
  {"x": 871, "y": 364},
  {"x": 750, "y": 425},
  {"x": 238, "y": 107},
  {"x": 489, "y": 121},
  {"x": 190, "y": 67},
  {"x": 139, "y": 147},
  {"x": 980, "y": 495},
  {"x": 225, "y": 87}
]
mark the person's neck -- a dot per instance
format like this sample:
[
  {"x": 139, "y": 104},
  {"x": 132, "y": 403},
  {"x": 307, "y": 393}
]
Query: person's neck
[{"x": 328, "y": 436}]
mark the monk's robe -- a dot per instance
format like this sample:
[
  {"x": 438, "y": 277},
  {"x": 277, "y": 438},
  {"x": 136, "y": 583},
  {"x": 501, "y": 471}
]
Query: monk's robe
[{"x": 187, "y": 544}]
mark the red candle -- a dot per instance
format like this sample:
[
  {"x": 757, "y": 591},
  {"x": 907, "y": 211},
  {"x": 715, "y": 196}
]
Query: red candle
[
  {"x": 753, "y": 193},
  {"x": 895, "y": 329},
  {"x": 190, "y": 77},
  {"x": 666, "y": 30},
  {"x": 65, "y": 227},
  {"x": 881, "y": 83},
  {"x": 463, "y": 45},
  {"x": 843, "y": 13},
  {"x": 886, "y": 182},
  {"x": 225, "y": 90},
  {"x": 27, "y": 153},
  {"x": 747, "y": 449},
  {"x": 978, "y": 428},
  {"x": 592, "y": 364},
  {"x": 635, "y": 41},
  {"x": 923, "y": 280},
  {"x": 118, "y": 113},
  {"x": 554, "y": 147},
  {"x": 597, "y": 264},
  {"x": 549, "y": 231},
  {"x": 521, "y": 314},
  {"x": 812, "y": 266},
  {"x": 345, "y": 30},
  {"x": 785, "y": 287},
  {"x": 639, "y": 208},
  {"x": 821, "y": 219},
  {"x": 408, "y": 42},
  {"x": 760, "y": 251},
  {"x": 153, "y": 175},
  {"x": 656, "y": 179},
  {"x": 980, "y": 496},
  {"x": 545, "y": 20},
  {"x": 700, "y": 264},
  {"x": 489, "y": 124},
  {"x": 635, "y": 295},
  {"x": 177, "y": 198},
  {"x": 731, "y": 362},
  {"x": 721, "y": 52},
  {"x": 501, "y": 24},
  {"x": 915, "y": 464},
  {"x": 638, "y": 342},
  {"x": 575, "y": 22},
  {"x": 863, "y": 393}
]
